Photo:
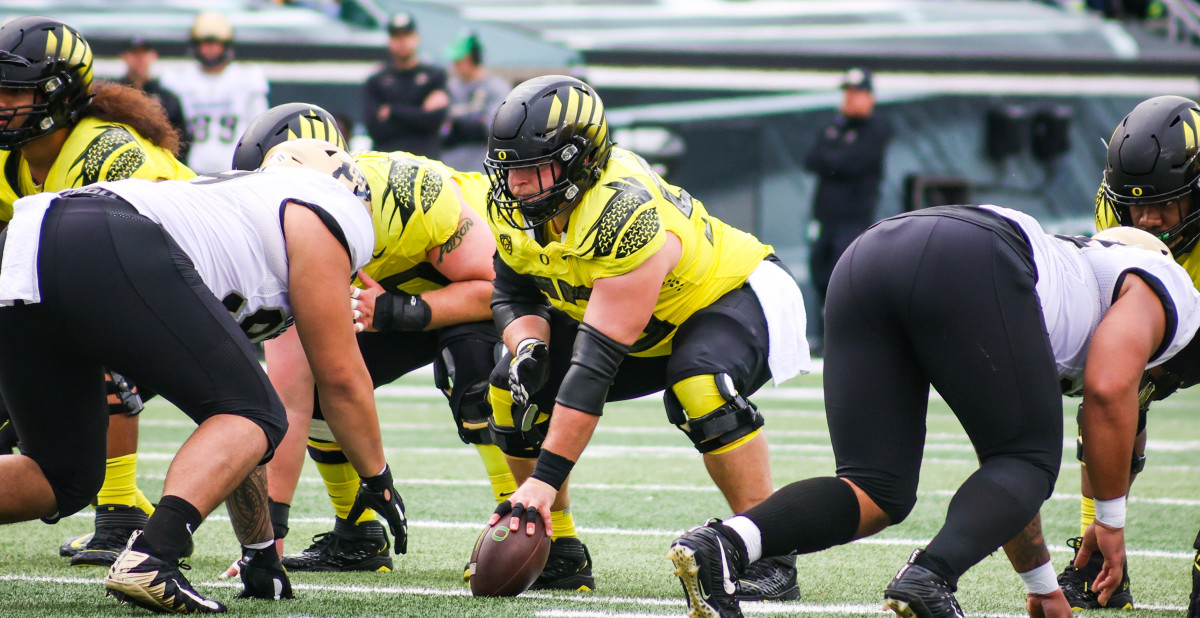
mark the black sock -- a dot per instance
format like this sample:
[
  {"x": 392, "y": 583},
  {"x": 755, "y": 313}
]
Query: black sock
[
  {"x": 990, "y": 508},
  {"x": 170, "y": 528},
  {"x": 806, "y": 516}
]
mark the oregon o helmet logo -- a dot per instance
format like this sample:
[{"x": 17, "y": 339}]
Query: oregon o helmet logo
[
  {"x": 502, "y": 155},
  {"x": 1137, "y": 191}
]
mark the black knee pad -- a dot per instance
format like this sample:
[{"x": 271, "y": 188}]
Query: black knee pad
[
  {"x": 727, "y": 424},
  {"x": 516, "y": 443},
  {"x": 462, "y": 372},
  {"x": 129, "y": 400}
]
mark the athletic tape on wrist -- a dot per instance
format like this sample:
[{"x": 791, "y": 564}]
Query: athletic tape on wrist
[{"x": 1111, "y": 512}]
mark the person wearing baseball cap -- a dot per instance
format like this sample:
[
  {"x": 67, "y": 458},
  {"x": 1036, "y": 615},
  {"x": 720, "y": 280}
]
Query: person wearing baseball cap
[
  {"x": 139, "y": 58},
  {"x": 847, "y": 158},
  {"x": 475, "y": 95},
  {"x": 405, "y": 103}
]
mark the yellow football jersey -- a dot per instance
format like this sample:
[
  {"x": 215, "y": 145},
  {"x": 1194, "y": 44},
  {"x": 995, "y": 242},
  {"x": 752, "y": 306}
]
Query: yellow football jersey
[
  {"x": 1106, "y": 219},
  {"x": 414, "y": 209},
  {"x": 619, "y": 223},
  {"x": 95, "y": 150}
]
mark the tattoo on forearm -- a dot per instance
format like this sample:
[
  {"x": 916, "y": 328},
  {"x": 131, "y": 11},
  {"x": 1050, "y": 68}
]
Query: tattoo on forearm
[
  {"x": 1027, "y": 550},
  {"x": 248, "y": 511},
  {"x": 456, "y": 240}
]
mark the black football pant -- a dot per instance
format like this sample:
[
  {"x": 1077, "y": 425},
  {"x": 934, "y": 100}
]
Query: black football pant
[
  {"x": 943, "y": 298},
  {"x": 118, "y": 292},
  {"x": 463, "y": 356}
]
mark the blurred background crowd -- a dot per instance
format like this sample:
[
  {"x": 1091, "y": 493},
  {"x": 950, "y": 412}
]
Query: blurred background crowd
[{"x": 767, "y": 110}]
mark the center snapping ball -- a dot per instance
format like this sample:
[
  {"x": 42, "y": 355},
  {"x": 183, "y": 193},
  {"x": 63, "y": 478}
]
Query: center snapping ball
[{"x": 506, "y": 563}]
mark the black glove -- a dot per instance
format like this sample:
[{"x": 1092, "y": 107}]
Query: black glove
[
  {"x": 379, "y": 494},
  {"x": 528, "y": 370}
]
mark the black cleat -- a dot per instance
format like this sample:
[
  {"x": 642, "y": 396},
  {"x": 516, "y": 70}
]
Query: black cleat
[
  {"x": 115, "y": 523},
  {"x": 364, "y": 547},
  {"x": 708, "y": 564},
  {"x": 1194, "y": 604},
  {"x": 263, "y": 575},
  {"x": 158, "y": 585},
  {"x": 1076, "y": 583},
  {"x": 917, "y": 592},
  {"x": 74, "y": 545},
  {"x": 569, "y": 567},
  {"x": 769, "y": 579}
]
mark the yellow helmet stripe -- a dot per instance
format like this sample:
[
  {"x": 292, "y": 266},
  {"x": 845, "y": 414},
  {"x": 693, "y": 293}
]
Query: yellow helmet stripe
[
  {"x": 555, "y": 114},
  {"x": 1189, "y": 130},
  {"x": 572, "y": 112}
]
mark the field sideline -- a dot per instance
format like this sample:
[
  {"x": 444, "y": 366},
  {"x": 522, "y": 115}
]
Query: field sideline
[{"x": 638, "y": 485}]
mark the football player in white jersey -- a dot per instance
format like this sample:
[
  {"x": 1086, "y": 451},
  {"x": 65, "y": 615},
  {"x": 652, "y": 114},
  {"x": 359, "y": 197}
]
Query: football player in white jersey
[
  {"x": 219, "y": 96},
  {"x": 203, "y": 268},
  {"x": 1002, "y": 319}
]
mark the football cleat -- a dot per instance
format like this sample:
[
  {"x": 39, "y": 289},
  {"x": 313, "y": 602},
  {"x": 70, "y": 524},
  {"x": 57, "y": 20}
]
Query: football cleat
[
  {"x": 1076, "y": 583},
  {"x": 1194, "y": 601},
  {"x": 74, "y": 545},
  {"x": 115, "y": 523},
  {"x": 769, "y": 579},
  {"x": 139, "y": 578},
  {"x": 917, "y": 592},
  {"x": 263, "y": 575},
  {"x": 708, "y": 565},
  {"x": 569, "y": 567},
  {"x": 364, "y": 547}
]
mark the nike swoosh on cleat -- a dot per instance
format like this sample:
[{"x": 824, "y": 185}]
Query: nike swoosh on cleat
[
  {"x": 726, "y": 582},
  {"x": 199, "y": 599}
]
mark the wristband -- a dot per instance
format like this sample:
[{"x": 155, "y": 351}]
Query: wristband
[
  {"x": 1111, "y": 512},
  {"x": 1042, "y": 580},
  {"x": 552, "y": 469}
]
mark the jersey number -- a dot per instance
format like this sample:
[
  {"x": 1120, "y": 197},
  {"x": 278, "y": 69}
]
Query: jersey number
[
  {"x": 258, "y": 325},
  {"x": 225, "y": 128}
]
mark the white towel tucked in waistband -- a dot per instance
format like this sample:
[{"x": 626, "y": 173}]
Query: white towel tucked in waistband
[
  {"x": 787, "y": 324},
  {"x": 19, "y": 273}
]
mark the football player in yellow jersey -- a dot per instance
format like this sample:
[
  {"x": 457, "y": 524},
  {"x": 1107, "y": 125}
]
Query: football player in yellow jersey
[
  {"x": 60, "y": 130},
  {"x": 1151, "y": 182},
  {"x": 612, "y": 284},
  {"x": 423, "y": 299}
]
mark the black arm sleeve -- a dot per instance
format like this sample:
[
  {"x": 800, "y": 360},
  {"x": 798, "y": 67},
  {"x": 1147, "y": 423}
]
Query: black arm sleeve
[{"x": 514, "y": 296}]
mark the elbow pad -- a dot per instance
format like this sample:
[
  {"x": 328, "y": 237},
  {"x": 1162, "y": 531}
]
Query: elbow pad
[{"x": 594, "y": 362}]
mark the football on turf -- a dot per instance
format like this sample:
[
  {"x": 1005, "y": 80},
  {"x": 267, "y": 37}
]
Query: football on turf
[{"x": 505, "y": 563}]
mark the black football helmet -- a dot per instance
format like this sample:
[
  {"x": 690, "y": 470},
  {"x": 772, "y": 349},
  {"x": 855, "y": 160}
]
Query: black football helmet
[
  {"x": 553, "y": 118},
  {"x": 283, "y": 123},
  {"x": 54, "y": 61},
  {"x": 1154, "y": 158}
]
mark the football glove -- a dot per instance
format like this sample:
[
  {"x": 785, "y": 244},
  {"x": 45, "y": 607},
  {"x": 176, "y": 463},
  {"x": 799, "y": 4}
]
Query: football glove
[
  {"x": 379, "y": 494},
  {"x": 528, "y": 370}
]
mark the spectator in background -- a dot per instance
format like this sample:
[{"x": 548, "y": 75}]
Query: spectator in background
[
  {"x": 219, "y": 96},
  {"x": 405, "y": 103},
  {"x": 848, "y": 161},
  {"x": 475, "y": 95},
  {"x": 139, "y": 58}
]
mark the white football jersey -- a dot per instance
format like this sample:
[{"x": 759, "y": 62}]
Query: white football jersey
[
  {"x": 229, "y": 224},
  {"x": 218, "y": 108},
  {"x": 1077, "y": 281}
]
